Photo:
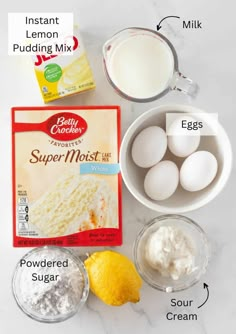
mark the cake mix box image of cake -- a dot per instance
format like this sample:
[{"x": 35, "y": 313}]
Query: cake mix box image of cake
[{"x": 66, "y": 177}]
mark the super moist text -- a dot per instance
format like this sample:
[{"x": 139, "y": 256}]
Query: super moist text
[{"x": 70, "y": 156}]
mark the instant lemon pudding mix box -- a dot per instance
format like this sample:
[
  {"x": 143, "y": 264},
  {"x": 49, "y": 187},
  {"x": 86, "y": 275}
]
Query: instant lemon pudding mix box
[
  {"x": 66, "y": 178},
  {"x": 61, "y": 75}
]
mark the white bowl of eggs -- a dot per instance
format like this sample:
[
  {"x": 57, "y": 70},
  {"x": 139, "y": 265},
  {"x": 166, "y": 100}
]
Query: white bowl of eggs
[{"x": 173, "y": 174}]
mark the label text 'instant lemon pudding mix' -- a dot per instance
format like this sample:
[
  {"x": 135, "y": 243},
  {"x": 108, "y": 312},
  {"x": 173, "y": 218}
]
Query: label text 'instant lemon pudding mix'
[
  {"x": 66, "y": 178},
  {"x": 61, "y": 75}
]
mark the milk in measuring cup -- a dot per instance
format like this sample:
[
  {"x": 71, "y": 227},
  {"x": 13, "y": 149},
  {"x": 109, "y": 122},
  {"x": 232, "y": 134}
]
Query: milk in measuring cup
[{"x": 141, "y": 66}]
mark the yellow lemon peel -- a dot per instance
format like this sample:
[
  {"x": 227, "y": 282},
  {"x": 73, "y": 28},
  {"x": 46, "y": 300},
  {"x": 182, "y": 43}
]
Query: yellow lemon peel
[{"x": 113, "y": 278}]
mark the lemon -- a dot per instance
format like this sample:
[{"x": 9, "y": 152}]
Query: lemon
[{"x": 113, "y": 278}]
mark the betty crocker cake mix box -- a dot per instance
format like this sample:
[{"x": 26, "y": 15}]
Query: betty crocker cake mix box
[{"x": 66, "y": 178}]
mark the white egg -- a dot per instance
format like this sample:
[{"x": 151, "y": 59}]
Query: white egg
[
  {"x": 161, "y": 180},
  {"x": 182, "y": 146},
  {"x": 182, "y": 143},
  {"x": 149, "y": 146},
  {"x": 198, "y": 171}
]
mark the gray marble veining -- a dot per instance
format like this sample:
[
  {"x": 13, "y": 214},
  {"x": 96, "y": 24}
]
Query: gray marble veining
[{"x": 208, "y": 57}]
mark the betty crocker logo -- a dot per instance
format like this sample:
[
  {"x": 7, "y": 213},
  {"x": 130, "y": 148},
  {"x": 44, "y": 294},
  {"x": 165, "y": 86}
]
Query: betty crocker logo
[{"x": 66, "y": 126}]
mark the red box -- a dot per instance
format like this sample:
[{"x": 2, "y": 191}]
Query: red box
[{"x": 66, "y": 178}]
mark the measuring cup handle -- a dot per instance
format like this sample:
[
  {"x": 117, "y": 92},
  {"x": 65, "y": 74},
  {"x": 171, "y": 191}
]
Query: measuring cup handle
[{"x": 183, "y": 84}]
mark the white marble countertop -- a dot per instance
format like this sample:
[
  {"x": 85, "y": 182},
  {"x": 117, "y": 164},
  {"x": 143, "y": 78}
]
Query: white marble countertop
[{"x": 207, "y": 56}]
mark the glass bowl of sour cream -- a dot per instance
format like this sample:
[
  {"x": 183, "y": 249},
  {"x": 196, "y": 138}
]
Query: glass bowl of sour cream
[
  {"x": 171, "y": 253},
  {"x": 50, "y": 284}
]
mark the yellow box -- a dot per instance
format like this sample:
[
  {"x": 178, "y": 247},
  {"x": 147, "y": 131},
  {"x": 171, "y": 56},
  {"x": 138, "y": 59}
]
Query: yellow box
[{"x": 62, "y": 75}]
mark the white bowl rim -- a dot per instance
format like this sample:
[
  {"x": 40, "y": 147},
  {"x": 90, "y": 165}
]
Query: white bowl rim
[{"x": 156, "y": 206}]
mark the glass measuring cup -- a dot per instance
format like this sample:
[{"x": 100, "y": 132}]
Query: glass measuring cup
[{"x": 166, "y": 72}]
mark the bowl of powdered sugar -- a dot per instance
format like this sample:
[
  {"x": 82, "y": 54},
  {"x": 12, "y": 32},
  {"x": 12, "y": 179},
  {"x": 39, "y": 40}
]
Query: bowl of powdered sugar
[{"x": 50, "y": 284}]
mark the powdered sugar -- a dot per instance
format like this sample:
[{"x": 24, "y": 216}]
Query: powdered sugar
[{"x": 50, "y": 283}]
